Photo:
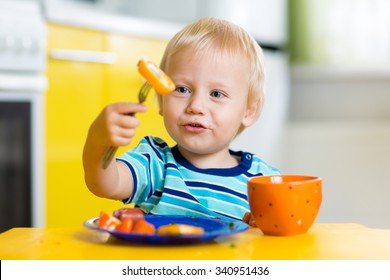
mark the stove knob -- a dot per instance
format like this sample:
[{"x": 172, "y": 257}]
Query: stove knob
[
  {"x": 27, "y": 44},
  {"x": 9, "y": 43}
]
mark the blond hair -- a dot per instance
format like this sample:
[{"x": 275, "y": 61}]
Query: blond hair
[{"x": 216, "y": 34}]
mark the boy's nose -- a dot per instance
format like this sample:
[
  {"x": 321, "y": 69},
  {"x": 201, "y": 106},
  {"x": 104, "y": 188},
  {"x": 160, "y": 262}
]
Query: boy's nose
[{"x": 196, "y": 104}]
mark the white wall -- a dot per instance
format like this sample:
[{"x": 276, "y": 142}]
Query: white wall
[
  {"x": 265, "y": 20},
  {"x": 266, "y": 137},
  {"x": 339, "y": 129}
]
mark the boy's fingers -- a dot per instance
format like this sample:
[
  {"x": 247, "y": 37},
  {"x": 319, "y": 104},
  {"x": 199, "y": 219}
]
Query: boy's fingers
[
  {"x": 123, "y": 140},
  {"x": 248, "y": 218},
  {"x": 129, "y": 108},
  {"x": 127, "y": 121}
]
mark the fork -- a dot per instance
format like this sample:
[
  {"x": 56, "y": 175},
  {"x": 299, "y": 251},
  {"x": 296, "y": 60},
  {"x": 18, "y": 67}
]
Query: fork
[{"x": 142, "y": 94}]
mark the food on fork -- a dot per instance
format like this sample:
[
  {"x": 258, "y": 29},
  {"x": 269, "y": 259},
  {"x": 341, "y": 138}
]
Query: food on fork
[{"x": 155, "y": 77}]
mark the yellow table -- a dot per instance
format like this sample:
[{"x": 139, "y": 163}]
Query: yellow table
[{"x": 323, "y": 241}]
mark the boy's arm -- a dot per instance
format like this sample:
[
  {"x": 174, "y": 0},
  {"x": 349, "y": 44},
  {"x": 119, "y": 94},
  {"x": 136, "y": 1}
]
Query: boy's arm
[
  {"x": 114, "y": 182},
  {"x": 113, "y": 127}
]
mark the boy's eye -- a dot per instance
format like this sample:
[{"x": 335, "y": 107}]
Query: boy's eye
[
  {"x": 217, "y": 94},
  {"x": 182, "y": 89}
]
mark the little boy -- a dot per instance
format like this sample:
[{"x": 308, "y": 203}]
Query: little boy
[{"x": 217, "y": 68}]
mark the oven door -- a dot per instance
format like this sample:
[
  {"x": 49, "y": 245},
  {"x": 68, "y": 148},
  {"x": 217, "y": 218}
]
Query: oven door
[{"x": 21, "y": 151}]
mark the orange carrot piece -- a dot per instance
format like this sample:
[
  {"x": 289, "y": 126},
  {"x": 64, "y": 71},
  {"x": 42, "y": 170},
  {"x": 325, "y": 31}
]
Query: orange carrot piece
[{"x": 144, "y": 227}]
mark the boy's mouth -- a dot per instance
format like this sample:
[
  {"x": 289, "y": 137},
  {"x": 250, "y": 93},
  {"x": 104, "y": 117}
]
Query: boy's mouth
[{"x": 195, "y": 127}]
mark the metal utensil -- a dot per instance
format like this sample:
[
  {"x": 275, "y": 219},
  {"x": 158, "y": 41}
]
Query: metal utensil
[{"x": 155, "y": 78}]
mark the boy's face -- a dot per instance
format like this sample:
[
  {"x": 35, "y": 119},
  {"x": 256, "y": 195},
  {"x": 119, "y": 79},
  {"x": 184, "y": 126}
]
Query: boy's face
[{"x": 209, "y": 104}]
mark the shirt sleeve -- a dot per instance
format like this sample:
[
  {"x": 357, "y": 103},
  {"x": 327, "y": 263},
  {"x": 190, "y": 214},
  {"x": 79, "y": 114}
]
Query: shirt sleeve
[
  {"x": 264, "y": 168},
  {"x": 146, "y": 162}
]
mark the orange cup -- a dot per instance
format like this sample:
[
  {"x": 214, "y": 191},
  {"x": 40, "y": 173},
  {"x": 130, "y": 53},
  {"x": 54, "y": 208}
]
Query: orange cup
[{"x": 284, "y": 205}]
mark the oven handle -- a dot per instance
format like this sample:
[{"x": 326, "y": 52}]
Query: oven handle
[
  {"x": 83, "y": 56},
  {"x": 23, "y": 82}
]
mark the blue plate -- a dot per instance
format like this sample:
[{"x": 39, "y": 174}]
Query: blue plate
[{"x": 212, "y": 227}]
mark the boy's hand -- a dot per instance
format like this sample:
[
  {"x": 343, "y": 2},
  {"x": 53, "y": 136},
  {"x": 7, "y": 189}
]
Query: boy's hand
[
  {"x": 248, "y": 218},
  {"x": 115, "y": 125}
]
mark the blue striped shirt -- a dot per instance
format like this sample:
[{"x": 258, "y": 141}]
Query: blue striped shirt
[{"x": 166, "y": 183}]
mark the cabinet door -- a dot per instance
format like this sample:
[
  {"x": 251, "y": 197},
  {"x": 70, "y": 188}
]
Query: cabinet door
[
  {"x": 73, "y": 100},
  {"x": 124, "y": 81}
]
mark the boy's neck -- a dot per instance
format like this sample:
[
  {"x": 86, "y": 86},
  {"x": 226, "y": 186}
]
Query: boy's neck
[{"x": 221, "y": 159}]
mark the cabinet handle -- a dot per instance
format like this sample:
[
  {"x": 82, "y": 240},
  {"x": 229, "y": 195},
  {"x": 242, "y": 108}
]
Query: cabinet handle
[{"x": 83, "y": 56}]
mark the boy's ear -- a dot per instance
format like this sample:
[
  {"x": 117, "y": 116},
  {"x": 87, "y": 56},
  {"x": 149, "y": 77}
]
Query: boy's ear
[{"x": 252, "y": 112}]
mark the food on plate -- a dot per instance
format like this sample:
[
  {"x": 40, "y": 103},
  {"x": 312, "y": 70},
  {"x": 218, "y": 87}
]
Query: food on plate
[
  {"x": 177, "y": 229},
  {"x": 125, "y": 226},
  {"x": 132, "y": 220},
  {"x": 135, "y": 214},
  {"x": 144, "y": 227},
  {"x": 107, "y": 221}
]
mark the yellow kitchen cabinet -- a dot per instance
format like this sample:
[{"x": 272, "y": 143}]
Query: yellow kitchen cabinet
[
  {"x": 78, "y": 91},
  {"x": 73, "y": 100}
]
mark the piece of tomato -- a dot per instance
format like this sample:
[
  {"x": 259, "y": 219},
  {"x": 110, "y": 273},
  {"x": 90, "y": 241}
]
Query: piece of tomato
[
  {"x": 144, "y": 227},
  {"x": 107, "y": 222},
  {"x": 125, "y": 226}
]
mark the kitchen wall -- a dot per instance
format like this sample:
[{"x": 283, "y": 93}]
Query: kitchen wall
[
  {"x": 339, "y": 129},
  {"x": 265, "y": 20},
  {"x": 339, "y": 110}
]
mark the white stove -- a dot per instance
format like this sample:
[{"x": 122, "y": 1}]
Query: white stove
[
  {"x": 22, "y": 87},
  {"x": 22, "y": 36}
]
